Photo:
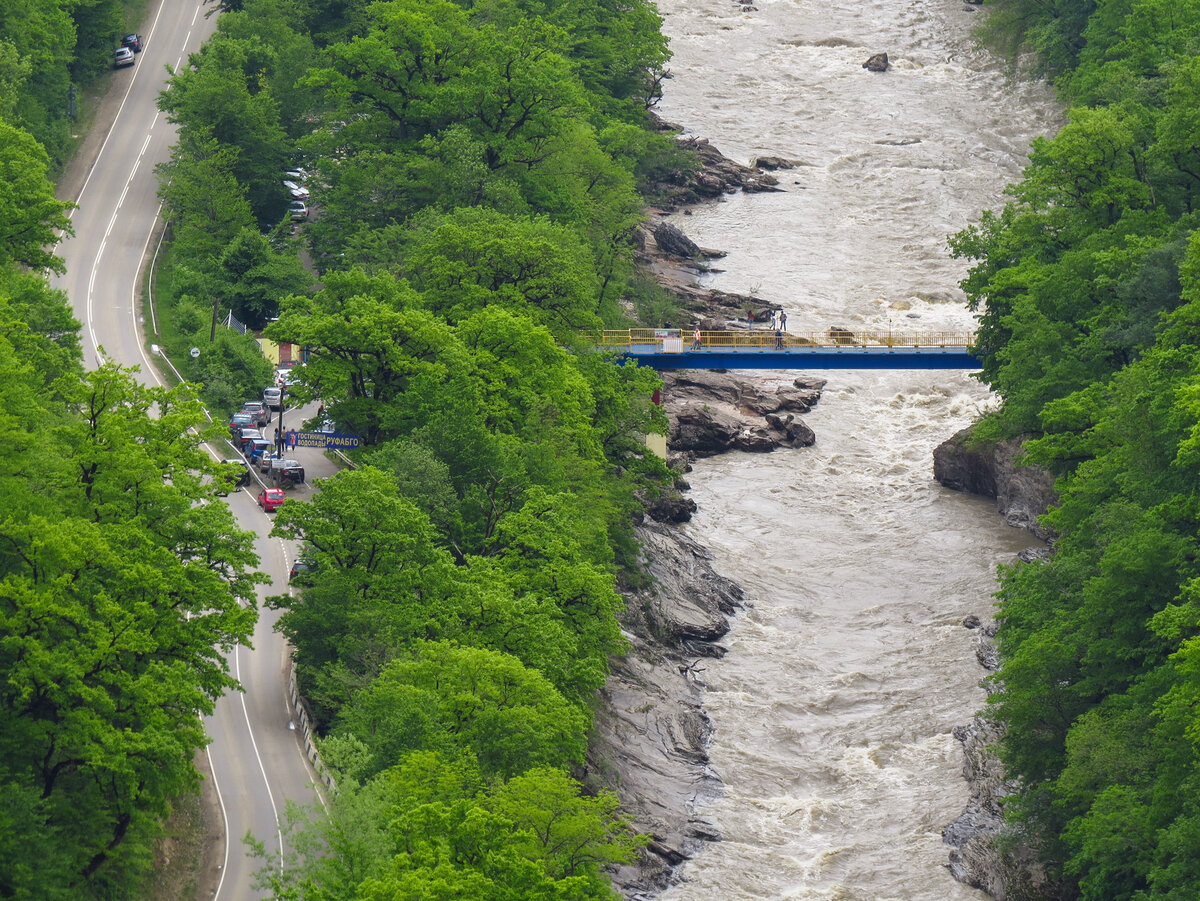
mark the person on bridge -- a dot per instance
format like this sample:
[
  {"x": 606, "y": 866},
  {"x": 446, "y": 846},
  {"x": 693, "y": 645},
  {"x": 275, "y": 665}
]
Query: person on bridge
[
  {"x": 779, "y": 339},
  {"x": 783, "y": 320},
  {"x": 696, "y": 345}
]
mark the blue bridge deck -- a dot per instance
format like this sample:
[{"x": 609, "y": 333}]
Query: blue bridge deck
[{"x": 764, "y": 349}]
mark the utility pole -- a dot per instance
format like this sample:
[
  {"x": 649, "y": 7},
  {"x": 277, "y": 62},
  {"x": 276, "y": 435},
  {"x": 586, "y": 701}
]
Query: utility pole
[{"x": 282, "y": 440}]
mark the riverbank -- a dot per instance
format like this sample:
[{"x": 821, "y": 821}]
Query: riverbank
[
  {"x": 984, "y": 852},
  {"x": 651, "y": 737}
]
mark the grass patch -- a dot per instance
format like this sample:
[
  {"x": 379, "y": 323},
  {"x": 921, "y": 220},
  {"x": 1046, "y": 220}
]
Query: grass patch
[{"x": 230, "y": 366}]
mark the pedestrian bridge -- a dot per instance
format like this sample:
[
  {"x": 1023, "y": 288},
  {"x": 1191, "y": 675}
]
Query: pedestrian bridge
[{"x": 765, "y": 349}]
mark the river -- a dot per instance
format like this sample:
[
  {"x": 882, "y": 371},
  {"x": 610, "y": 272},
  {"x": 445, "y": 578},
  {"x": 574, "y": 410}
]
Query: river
[{"x": 834, "y": 707}]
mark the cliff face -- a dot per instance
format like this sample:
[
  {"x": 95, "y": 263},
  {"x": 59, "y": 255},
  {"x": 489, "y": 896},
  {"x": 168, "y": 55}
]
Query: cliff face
[
  {"x": 985, "y": 852},
  {"x": 1022, "y": 493}
]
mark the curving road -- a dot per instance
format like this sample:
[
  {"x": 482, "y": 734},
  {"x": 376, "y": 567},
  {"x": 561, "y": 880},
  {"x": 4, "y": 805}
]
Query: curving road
[{"x": 256, "y": 758}]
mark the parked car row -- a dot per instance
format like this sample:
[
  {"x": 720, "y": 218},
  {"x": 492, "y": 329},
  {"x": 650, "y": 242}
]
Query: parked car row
[
  {"x": 124, "y": 55},
  {"x": 295, "y": 182}
]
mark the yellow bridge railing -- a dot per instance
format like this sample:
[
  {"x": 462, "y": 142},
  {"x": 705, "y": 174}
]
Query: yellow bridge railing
[{"x": 670, "y": 340}]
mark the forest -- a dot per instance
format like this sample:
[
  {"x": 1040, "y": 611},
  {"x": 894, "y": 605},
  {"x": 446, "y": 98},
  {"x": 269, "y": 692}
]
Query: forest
[
  {"x": 1087, "y": 284},
  {"x": 121, "y": 584},
  {"x": 477, "y": 174}
]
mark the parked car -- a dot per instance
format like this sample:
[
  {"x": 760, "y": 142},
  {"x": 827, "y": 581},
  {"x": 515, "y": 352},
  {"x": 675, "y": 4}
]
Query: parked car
[
  {"x": 246, "y": 437},
  {"x": 237, "y": 473},
  {"x": 271, "y": 499},
  {"x": 285, "y": 469},
  {"x": 300, "y": 570},
  {"x": 258, "y": 412},
  {"x": 134, "y": 42},
  {"x": 264, "y": 460},
  {"x": 256, "y": 448},
  {"x": 298, "y": 175},
  {"x": 123, "y": 56},
  {"x": 287, "y": 377},
  {"x": 297, "y": 190},
  {"x": 240, "y": 420},
  {"x": 273, "y": 397},
  {"x": 297, "y": 210}
]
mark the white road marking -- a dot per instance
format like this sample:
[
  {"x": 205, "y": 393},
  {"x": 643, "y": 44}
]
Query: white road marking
[
  {"x": 224, "y": 820},
  {"x": 237, "y": 661}
]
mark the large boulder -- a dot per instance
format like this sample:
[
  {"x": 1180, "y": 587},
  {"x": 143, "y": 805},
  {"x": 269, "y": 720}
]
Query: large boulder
[
  {"x": 878, "y": 62},
  {"x": 772, "y": 163},
  {"x": 671, "y": 240},
  {"x": 671, "y": 506},
  {"x": 704, "y": 431}
]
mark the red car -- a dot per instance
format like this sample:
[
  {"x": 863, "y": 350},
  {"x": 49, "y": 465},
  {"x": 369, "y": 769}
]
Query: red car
[{"x": 270, "y": 499}]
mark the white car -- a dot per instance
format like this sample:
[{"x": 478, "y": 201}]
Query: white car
[
  {"x": 273, "y": 397},
  {"x": 297, "y": 210},
  {"x": 298, "y": 191}
]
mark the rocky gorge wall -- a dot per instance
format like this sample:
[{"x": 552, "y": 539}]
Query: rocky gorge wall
[
  {"x": 651, "y": 735},
  {"x": 1022, "y": 493},
  {"x": 984, "y": 851}
]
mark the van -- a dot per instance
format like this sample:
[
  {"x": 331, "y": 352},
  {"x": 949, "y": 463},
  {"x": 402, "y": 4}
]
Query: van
[{"x": 273, "y": 397}]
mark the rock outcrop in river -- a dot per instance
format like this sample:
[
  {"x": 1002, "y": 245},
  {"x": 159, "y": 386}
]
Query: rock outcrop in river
[
  {"x": 1022, "y": 493},
  {"x": 713, "y": 412}
]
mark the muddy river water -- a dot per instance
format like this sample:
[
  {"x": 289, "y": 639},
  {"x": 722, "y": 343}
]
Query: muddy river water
[{"x": 834, "y": 707}]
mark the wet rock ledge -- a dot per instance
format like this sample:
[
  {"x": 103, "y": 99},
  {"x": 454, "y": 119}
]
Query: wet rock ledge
[
  {"x": 1022, "y": 493},
  {"x": 650, "y": 742}
]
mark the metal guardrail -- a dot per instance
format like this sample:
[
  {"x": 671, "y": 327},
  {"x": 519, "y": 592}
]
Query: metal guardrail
[{"x": 679, "y": 340}]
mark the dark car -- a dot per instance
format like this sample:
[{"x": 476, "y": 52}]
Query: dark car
[
  {"x": 246, "y": 437},
  {"x": 238, "y": 474},
  {"x": 133, "y": 42},
  {"x": 240, "y": 420},
  {"x": 258, "y": 410},
  {"x": 301, "y": 570},
  {"x": 123, "y": 56},
  {"x": 287, "y": 470}
]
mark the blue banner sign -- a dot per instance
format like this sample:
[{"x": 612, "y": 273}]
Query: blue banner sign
[{"x": 327, "y": 439}]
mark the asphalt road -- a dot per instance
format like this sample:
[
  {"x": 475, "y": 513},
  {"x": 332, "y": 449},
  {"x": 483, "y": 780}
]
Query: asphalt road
[{"x": 257, "y": 760}]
